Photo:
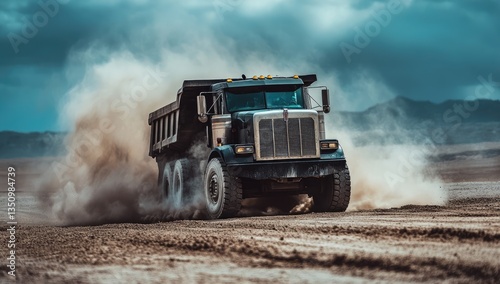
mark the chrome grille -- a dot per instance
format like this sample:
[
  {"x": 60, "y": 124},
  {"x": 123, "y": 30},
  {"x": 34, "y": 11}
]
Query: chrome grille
[{"x": 293, "y": 138}]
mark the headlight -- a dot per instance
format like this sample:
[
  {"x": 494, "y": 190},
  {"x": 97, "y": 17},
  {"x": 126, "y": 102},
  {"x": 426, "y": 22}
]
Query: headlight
[
  {"x": 244, "y": 149},
  {"x": 329, "y": 145}
]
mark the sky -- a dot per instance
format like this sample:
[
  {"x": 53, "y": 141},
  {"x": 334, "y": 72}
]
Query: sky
[{"x": 366, "y": 52}]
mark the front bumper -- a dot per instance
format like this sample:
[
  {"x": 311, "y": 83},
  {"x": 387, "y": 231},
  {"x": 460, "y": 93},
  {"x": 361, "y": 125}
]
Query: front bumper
[{"x": 285, "y": 169}]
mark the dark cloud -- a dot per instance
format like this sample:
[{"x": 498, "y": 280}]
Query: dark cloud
[{"x": 431, "y": 50}]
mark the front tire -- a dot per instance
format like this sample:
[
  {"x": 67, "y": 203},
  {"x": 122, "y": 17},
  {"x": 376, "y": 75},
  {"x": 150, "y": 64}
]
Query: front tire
[
  {"x": 223, "y": 192},
  {"x": 335, "y": 192}
]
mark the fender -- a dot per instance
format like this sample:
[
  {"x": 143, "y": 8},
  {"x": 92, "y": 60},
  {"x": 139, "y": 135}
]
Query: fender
[
  {"x": 333, "y": 155},
  {"x": 226, "y": 153}
]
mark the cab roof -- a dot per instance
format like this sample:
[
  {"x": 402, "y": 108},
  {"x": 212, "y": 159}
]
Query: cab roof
[
  {"x": 257, "y": 82},
  {"x": 197, "y": 86}
]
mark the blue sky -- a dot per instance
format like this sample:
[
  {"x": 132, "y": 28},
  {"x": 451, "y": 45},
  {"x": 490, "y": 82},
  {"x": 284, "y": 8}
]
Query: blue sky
[{"x": 365, "y": 51}]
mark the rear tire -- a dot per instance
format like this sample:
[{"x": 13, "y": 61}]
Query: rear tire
[
  {"x": 180, "y": 186},
  {"x": 223, "y": 192},
  {"x": 166, "y": 183},
  {"x": 335, "y": 192}
]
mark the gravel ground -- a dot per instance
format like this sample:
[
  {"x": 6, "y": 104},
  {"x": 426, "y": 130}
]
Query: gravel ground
[{"x": 459, "y": 242}]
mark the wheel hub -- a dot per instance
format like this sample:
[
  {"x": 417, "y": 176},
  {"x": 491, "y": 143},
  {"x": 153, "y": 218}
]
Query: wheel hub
[{"x": 213, "y": 189}]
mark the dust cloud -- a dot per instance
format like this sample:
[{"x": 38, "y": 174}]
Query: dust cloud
[
  {"x": 386, "y": 176},
  {"x": 106, "y": 175}
]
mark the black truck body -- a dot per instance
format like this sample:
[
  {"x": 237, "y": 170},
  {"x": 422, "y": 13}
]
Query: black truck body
[{"x": 263, "y": 137}]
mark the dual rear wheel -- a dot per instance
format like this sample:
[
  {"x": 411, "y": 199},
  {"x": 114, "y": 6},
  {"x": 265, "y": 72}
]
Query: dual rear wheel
[
  {"x": 222, "y": 193},
  {"x": 175, "y": 187}
]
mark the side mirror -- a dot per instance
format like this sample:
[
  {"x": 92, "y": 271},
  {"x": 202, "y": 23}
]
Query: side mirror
[
  {"x": 325, "y": 96},
  {"x": 202, "y": 109}
]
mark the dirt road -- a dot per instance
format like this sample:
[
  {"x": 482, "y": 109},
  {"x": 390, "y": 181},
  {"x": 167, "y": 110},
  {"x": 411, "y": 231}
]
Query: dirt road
[{"x": 459, "y": 242}]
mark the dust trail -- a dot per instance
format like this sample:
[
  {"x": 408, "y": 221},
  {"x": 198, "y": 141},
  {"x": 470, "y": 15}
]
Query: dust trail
[
  {"x": 390, "y": 175},
  {"x": 106, "y": 175}
]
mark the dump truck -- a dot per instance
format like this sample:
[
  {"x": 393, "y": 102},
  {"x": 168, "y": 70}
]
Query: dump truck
[{"x": 262, "y": 136}]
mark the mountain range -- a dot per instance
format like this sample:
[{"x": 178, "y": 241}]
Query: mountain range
[
  {"x": 33, "y": 144},
  {"x": 401, "y": 119},
  {"x": 406, "y": 110}
]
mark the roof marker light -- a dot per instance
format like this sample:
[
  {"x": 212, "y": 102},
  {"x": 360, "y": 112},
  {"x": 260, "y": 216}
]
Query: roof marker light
[
  {"x": 229, "y": 80},
  {"x": 261, "y": 77},
  {"x": 296, "y": 76},
  {"x": 269, "y": 77},
  {"x": 255, "y": 77}
]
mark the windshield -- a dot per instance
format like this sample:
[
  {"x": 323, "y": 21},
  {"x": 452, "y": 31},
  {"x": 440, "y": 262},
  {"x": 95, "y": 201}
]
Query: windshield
[{"x": 262, "y": 97}]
